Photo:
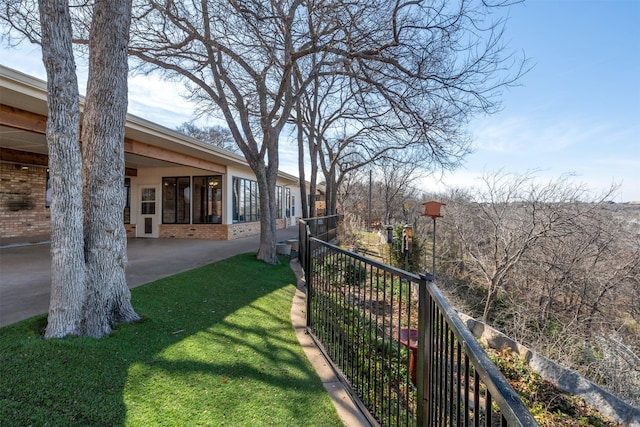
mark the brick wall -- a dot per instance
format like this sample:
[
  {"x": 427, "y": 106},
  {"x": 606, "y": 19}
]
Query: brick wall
[
  {"x": 22, "y": 202},
  {"x": 131, "y": 230},
  {"x": 243, "y": 229},
  {"x": 194, "y": 231},
  {"x": 25, "y": 216},
  {"x": 210, "y": 231}
]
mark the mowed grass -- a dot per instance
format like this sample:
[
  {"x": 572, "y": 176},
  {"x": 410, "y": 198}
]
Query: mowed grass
[{"x": 215, "y": 347}]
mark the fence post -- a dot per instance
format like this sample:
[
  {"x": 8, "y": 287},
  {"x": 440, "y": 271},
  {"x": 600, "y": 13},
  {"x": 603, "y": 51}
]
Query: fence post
[
  {"x": 425, "y": 344},
  {"x": 307, "y": 272}
]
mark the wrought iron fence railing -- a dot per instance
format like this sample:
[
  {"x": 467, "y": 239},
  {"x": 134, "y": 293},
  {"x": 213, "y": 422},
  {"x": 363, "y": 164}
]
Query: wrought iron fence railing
[
  {"x": 323, "y": 228},
  {"x": 399, "y": 345}
]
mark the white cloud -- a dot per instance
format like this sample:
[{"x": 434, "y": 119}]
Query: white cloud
[
  {"x": 443, "y": 182},
  {"x": 162, "y": 102},
  {"x": 535, "y": 135},
  {"x": 598, "y": 151}
]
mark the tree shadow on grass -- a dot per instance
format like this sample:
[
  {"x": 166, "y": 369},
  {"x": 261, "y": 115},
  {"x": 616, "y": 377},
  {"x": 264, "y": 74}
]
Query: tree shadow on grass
[{"x": 215, "y": 346}]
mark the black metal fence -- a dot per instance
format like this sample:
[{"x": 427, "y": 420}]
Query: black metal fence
[
  {"x": 323, "y": 228},
  {"x": 399, "y": 345}
]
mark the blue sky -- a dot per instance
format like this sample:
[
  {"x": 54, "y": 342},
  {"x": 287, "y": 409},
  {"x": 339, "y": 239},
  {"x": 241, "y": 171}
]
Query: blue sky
[{"x": 576, "y": 112}]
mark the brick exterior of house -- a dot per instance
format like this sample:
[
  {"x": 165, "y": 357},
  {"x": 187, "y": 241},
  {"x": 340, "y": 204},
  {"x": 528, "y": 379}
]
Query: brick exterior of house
[
  {"x": 155, "y": 156},
  {"x": 212, "y": 231},
  {"x": 23, "y": 202},
  {"x": 25, "y": 216}
]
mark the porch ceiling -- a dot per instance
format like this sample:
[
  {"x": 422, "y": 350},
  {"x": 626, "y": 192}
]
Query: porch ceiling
[
  {"x": 33, "y": 142},
  {"x": 148, "y": 144},
  {"x": 23, "y": 100}
]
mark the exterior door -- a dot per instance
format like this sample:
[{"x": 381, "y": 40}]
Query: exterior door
[{"x": 148, "y": 212}]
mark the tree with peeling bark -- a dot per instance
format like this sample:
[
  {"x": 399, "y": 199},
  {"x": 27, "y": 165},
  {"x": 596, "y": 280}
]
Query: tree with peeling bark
[
  {"x": 65, "y": 170},
  {"x": 108, "y": 299},
  {"x": 88, "y": 242}
]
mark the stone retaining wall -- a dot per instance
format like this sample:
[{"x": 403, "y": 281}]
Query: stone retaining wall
[{"x": 567, "y": 380}]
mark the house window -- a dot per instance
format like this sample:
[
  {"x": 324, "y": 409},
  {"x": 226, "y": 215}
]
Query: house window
[
  {"x": 279, "y": 190},
  {"x": 207, "y": 199},
  {"x": 287, "y": 199},
  {"x": 47, "y": 200},
  {"x": 246, "y": 197},
  {"x": 175, "y": 200},
  {"x": 148, "y": 201},
  {"x": 127, "y": 200}
]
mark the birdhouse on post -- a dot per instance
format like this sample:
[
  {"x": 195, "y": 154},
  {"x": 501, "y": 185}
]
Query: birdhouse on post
[{"x": 432, "y": 209}]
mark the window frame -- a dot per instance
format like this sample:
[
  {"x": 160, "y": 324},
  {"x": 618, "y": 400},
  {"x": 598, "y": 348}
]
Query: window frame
[
  {"x": 208, "y": 218},
  {"x": 181, "y": 195},
  {"x": 246, "y": 200},
  {"x": 126, "y": 214}
]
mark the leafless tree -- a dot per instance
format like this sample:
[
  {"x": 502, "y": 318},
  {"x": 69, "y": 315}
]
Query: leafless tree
[
  {"x": 398, "y": 186},
  {"x": 214, "y": 135},
  {"x": 404, "y": 76},
  {"x": 572, "y": 298},
  {"x": 562, "y": 264},
  {"x": 252, "y": 60},
  {"x": 305, "y": 116},
  {"x": 553, "y": 266},
  {"x": 391, "y": 183},
  {"x": 509, "y": 218},
  {"x": 237, "y": 58},
  {"x": 108, "y": 299}
]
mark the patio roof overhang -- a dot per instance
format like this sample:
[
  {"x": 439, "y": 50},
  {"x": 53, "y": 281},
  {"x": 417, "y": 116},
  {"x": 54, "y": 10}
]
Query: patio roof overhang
[{"x": 23, "y": 116}]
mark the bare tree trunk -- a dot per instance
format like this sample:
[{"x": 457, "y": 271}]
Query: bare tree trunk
[
  {"x": 313, "y": 181},
  {"x": 331, "y": 193},
  {"x": 492, "y": 293},
  {"x": 304, "y": 198},
  {"x": 266, "y": 177},
  {"x": 108, "y": 298},
  {"x": 65, "y": 162},
  {"x": 267, "y": 249}
]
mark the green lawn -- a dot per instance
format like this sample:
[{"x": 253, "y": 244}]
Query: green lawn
[{"x": 215, "y": 347}]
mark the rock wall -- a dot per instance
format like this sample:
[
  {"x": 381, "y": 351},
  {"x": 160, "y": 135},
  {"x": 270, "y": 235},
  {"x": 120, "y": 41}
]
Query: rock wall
[{"x": 567, "y": 380}]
